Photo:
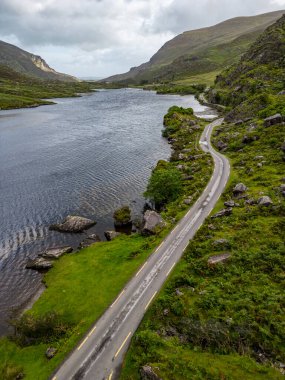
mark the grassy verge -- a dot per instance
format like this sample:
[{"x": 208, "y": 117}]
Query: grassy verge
[
  {"x": 227, "y": 320},
  {"x": 82, "y": 285}
]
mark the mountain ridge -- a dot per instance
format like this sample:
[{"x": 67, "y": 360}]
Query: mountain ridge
[
  {"x": 29, "y": 64},
  {"x": 197, "y": 45}
]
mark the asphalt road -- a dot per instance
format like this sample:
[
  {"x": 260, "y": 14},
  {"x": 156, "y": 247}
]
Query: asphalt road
[{"x": 100, "y": 353}]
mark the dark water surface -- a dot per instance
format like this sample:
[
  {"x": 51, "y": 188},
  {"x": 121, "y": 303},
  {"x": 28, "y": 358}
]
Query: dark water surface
[{"x": 84, "y": 156}]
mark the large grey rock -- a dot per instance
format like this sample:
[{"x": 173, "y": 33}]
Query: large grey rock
[
  {"x": 231, "y": 203},
  {"x": 213, "y": 260},
  {"x": 224, "y": 212},
  {"x": 73, "y": 223},
  {"x": 251, "y": 202},
  {"x": 272, "y": 120},
  {"x": 221, "y": 145},
  {"x": 152, "y": 222},
  {"x": 50, "y": 352},
  {"x": 89, "y": 240},
  {"x": 265, "y": 201},
  {"x": 111, "y": 235},
  {"x": 240, "y": 188},
  {"x": 222, "y": 243},
  {"x": 55, "y": 253},
  {"x": 147, "y": 373},
  {"x": 39, "y": 264},
  {"x": 188, "y": 201}
]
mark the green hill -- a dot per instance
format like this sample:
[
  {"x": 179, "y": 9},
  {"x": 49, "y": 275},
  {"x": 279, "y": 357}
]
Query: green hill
[
  {"x": 226, "y": 321},
  {"x": 29, "y": 64},
  {"x": 18, "y": 90},
  {"x": 200, "y": 51},
  {"x": 253, "y": 86}
]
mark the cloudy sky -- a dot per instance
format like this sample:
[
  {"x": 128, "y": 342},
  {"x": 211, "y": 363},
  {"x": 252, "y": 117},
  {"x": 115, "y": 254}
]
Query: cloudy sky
[{"x": 102, "y": 37}]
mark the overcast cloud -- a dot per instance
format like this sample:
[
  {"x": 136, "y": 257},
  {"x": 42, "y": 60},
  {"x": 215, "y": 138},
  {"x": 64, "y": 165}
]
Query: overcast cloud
[{"x": 104, "y": 37}]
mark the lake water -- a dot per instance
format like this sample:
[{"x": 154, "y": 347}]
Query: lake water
[{"x": 84, "y": 156}]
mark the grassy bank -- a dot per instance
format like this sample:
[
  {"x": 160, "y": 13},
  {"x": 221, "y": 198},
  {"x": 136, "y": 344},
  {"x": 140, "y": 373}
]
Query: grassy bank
[
  {"x": 82, "y": 285},
  {"x": 19, "y": 91},
  {"x": 228, "y": 323}
]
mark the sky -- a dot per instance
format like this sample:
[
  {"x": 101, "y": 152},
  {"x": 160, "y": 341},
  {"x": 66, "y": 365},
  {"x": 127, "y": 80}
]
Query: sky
[{"x": 98, "y": 38}]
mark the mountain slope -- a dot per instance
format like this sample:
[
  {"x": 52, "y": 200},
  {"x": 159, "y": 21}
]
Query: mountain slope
[
  {"x": 29, "y": 64},
  {"x": 220, "y": 314},
  {"x": 201, "y": 50},
  {"x": 253, "y": 86}
]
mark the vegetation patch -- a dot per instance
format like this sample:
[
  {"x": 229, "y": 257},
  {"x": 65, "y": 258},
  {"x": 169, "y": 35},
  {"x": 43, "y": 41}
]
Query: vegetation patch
[{"x": 224, "y": 319}]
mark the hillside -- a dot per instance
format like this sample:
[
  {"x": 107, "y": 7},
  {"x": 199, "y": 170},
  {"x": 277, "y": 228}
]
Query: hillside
[
  {"x": 255, "y": 85},
  {"x": 200, "y": 51},
  {"x": 29, "y": 64},
  {"x": 225, "y": 320},
  {"x": 19, "y": 91}
]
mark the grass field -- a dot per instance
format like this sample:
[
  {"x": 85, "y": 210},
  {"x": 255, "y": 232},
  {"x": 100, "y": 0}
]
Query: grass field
[{"x": 207, "y": 78}]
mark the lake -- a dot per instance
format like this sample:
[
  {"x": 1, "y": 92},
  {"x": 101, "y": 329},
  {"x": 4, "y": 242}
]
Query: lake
[{"x": 84, "y": 156}]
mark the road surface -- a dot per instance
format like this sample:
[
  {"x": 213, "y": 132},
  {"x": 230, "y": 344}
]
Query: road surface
[{"x": 100, "y": 353}]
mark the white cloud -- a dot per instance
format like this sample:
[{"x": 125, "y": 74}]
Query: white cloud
[{"x": 102, "y": 37}]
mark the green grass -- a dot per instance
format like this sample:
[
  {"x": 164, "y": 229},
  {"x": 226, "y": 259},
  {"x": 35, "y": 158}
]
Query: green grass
[
  {"x": 229, "y": 314},
  {"x": 206, "y": 78},
  {"x": 79, "y": 288},
  {"x": 19, "y": 91}
]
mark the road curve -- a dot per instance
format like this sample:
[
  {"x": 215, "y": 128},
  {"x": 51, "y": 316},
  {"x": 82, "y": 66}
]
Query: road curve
[{"x": 100, "y": 353}]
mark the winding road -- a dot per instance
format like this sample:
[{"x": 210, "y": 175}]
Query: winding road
[{"x": 100, "y": 353}]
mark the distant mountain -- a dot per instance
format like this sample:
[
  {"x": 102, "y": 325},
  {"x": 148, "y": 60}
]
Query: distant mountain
[
  {"x": 29, "y": 64},
  {"x": 255, "y": 86},
  {"x": 200, "y": 51}
]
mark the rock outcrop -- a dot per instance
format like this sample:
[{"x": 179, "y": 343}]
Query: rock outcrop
[
  {"x": 213, "y": 260},
  {"x": 39, "y": 263},
  {"x": 73, "y": 223},
  {"x": 221, "y": 145},
  {"x": 147, "y": 373},
  {"x": 50, "y": 352},
  {"x": 231, "y": 203},
  {"x": 272, "y": 120},
  {"x": 89, "y": 240},
  {"x": 55, "y": 253},
  {"x": 265, "y": 201},
  {"x": 240, "y": 188},
  {"x": 152, "y": 222},
  {"x": 224, "y": 212},
  {"x": 111, "y": 235}
]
